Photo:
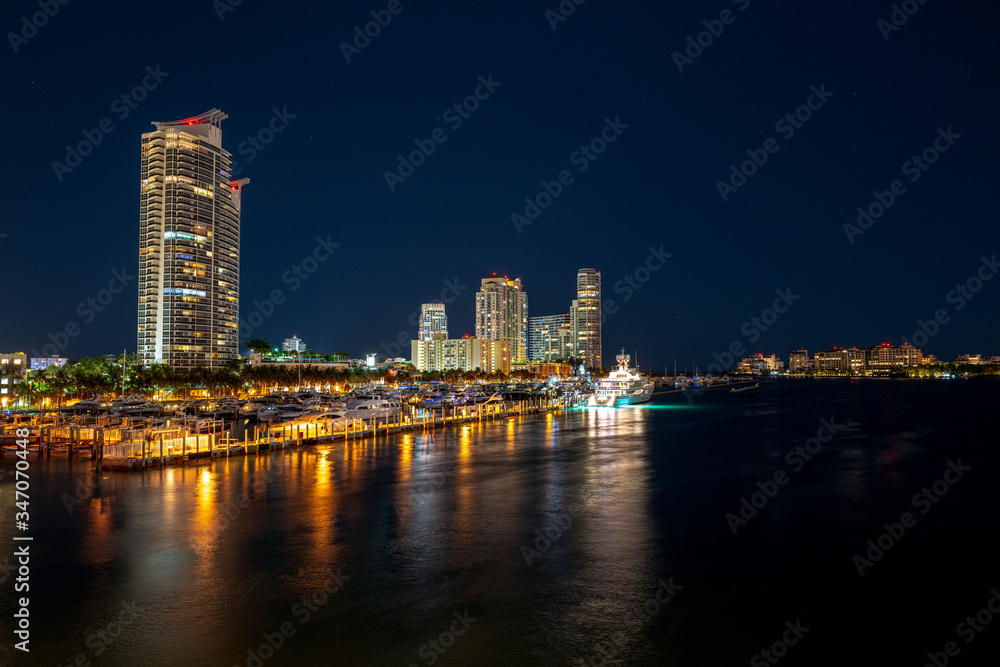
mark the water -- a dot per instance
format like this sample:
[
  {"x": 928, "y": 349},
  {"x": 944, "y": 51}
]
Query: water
[{"x": 406, "y": 540}]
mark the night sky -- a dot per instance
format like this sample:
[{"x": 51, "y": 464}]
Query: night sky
[{"x": 448, "y": 224}]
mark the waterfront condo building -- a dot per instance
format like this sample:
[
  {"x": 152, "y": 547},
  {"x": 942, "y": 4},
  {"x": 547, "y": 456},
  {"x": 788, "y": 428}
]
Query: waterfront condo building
[
  {"x": 464, "y": 354},
  {"x": 838, "y": 359},
  {"x": 433, "y": 321},
  {"x": 758, "y": 363},
  {"x": 886, "y": 358},
  {"x": 550, "y": 338},
  {"x": 189, "y": 245},
  {"x": 799, "y": 359},
  {"x": 502, "y": 314},
  {"x": 585, "y": 316}
]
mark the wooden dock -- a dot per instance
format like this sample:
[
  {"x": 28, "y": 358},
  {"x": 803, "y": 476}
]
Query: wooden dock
[{"x": 123, "y": 448}]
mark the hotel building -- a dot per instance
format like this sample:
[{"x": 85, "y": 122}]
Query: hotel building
[
  {"x": 502, "y": 314},
  {"x": 433, "y": 321},
  {"x": 189, "y": 245},
  {"x": 585, "y": 316}
]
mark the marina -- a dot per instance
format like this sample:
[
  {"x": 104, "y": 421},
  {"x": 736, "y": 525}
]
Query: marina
[
  {"x": 137, "y": 446},
  {"x": 221, "y": 428}
]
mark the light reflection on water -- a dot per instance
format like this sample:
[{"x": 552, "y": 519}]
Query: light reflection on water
[{"x": 424, "y": 525}]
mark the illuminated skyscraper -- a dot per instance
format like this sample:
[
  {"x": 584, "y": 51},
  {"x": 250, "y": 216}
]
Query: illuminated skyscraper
[
  {"x": 550, "y": 337},
  {"x": 585, "y": 316},
  {"x": 432, "y": 321},
  {"x": 189, "y": 245},
  {"x": 502, "y": 314}
]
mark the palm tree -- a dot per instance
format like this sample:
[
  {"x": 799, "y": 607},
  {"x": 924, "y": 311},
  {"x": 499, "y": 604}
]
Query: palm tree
[
  {"x": 259, "y": 345},
  {"x": 23, "y": 391}
]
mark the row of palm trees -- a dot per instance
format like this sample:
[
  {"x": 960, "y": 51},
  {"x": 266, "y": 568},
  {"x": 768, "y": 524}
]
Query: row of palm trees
[{"x": 103, "y": 376}]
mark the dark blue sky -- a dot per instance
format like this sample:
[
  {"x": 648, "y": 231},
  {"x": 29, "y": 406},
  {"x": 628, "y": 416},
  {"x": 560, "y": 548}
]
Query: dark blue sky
[{"x": 655, "y": 185}]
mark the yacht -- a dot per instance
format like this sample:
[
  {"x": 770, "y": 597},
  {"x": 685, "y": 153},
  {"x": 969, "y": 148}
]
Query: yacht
[
  {"x": 370, "y": 406},
  {"x": 625, "y": 386}
]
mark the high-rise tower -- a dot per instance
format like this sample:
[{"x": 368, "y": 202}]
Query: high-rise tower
[
  {"x": 189, "y": 245},
  {"x": 432, "y": 321},
  {"x": 586, "y": 318},
  {"x": 502, "y": 314}
]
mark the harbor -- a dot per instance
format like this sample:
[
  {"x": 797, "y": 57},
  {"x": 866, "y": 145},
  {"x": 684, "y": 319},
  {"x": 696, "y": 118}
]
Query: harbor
[
  {"x": 117, "y": 442},
  {"x": 135, "y": 446}
]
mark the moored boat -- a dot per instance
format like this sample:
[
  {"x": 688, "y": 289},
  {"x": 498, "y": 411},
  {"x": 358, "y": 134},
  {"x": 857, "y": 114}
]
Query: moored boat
[{"x": 625, "y": 386}]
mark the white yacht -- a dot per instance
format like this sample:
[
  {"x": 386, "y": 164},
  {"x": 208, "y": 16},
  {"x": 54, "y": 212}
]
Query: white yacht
[
  {"x": 625, "y": 386},
  {"x": 370, "y": 406}
]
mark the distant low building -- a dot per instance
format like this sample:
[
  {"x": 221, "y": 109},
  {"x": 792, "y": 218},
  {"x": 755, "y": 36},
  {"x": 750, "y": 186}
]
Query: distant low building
[
  {"x": 544, "y": 369},
  {"x": 798, "y": 360},
  {"x": 839, "y": 359},
  {"x": 758, "y": 363},
  {"x": 293, "y": 344},
  {"x": 291, "y": 362},
  {"x": 885, "y": 357},
  {"x": 41, "y": 363},
  {"x": 969, "y": 359}
]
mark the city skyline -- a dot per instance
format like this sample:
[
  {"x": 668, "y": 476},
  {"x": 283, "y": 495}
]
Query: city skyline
[{"x": 591, "y": 152}]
